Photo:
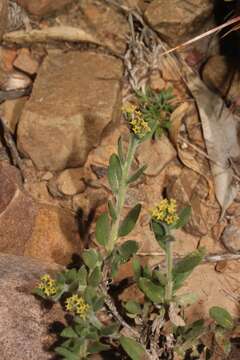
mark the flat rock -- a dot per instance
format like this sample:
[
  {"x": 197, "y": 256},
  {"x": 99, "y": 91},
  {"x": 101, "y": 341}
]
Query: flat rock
[
  {"x": 231, "y": 238},
  {"x": 54, "y": 237},
  {"x": 24, "y": 323},
  {"x": 43, "y": 7},
  {"x": 64, "y": 120},
  {"x": 71, "y": 181},
  {"x": 3, "y": 17},
  {"x": 17, "y": 212},
  {"x": 178, "y": 20},
  {"x": 156, "y": 155}
]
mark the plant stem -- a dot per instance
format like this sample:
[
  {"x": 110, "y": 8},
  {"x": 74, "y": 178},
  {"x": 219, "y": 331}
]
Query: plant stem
[
  {"x": 121, "y": 195},
  {"x": 169, "y": 286}
]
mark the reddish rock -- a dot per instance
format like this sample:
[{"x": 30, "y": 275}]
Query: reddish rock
[
  {"x": 43, "y": 7},
  {"x": 3, "y": 17},
  {"x": 25, "y": 62},
  {"x": 24, "y": 322},
  {"x": 17, "y": 212}
]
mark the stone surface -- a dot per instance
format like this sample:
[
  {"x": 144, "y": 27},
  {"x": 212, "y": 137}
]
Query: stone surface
[
  {"x": 220, "y": 76},
  {"x": 70, "y": 182},
  {"x": 10, "y": 110},
  {"x": 17, "y": 212},
  {"x": 3, "y": 17},
  {"x": 156, "y": 155},
  {"x": 43, "y": 7},
  {"x": 24, "y": 322},
  {"x": 231, "y": 238},
  {"x": 63, "y": 121},
  {"x": 178, "y": 20},
  {"x": 55, "y": 236},
  {"x": 105, "y": 21},
  {"x": 25, "y": 62}
]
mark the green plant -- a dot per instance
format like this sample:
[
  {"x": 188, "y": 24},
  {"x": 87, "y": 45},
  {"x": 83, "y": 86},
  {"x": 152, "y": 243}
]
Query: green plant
[{"x": 157, "y": 328}]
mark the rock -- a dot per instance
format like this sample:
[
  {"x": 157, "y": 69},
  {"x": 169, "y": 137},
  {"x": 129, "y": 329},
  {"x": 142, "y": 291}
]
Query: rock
[
  {"x": 176, "y": 20},
  {"x": 25, "y": 62},
  {"x": 231, "y": 238},
  {"x": 10, "y": 111},
  {"x": 70, "y": 182},
  {"x": 14, "y": 80},
  {"x": 103, "y": 20},
  {"x": 156, "y": 155},
  {"x": 191, "y": 189},
  {"x": 62, "y": 122},
  {"x": 55, "y": 236},
  {"x": 218, "y": 76},
  {"x": 24, "y": 322},
  {"x": 43, "y": 7},
  {"x": 17, "y": 212},
  {"x": 7, "y": 57},
  {"x": 3, "y": 17}
]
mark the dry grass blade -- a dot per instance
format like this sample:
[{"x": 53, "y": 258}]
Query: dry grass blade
[{"x": 207, "y": 33}]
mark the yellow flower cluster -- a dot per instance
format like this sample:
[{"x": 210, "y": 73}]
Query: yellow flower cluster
[
  {"x": 48, "y": 285},
  {"x": 165, "y": 211},
  {"x": 138, "y": 125},
  {"x": 77, "y": 304}
]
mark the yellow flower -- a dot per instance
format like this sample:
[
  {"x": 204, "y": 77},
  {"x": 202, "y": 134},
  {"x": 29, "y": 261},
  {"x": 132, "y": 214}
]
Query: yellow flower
[
  {"x": 48, "y": 285},
  {"x": 77, "y": 304},
  {"x": 165, "y": 211},
  {"x": 129, "y": 108},
  {"x": 139, "y": 126}
]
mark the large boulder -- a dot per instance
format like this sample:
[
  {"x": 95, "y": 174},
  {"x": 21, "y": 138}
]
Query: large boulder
[
  {"x": 75, "y": 98},
  {"x": 178, "y": 20},
  {"x": 24, "y": 323},
  {"x": 42, "y": 7},
  {"x": 3, "y": 17},
  {"x": 27, "y": 228}
]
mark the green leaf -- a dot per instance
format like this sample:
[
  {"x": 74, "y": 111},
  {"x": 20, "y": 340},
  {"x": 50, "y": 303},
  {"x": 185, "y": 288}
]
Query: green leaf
[
  {"x": 128, "y": 249},
  {"x": 189, "y": 262},
  {"x": 90, "y": 258},
  {"x": 178, "y": 280},
  {"x": 98, "y": 303},
  {"x": 114, "y": 173},
  {"x": 103, "y": 229},
  {"x": 134, "y": 350},
  {"x": 110, "y": 329},
  {"x": 154, "y": 292},
  {"x": 68, "y": 332},
  {"x": 68, "y": 355},
  {"x": 95, "y": 277},
  {"x": 130, "y": 220},
  {"x": 137, "y": 174},
  {"x": 120, "y": 150},
  {"x": 97, "y": 347},
  {"x": 160, "y": 233},
  {"x": 161, "y": 277},
  {"x": 112, "y": 211},
  {"x": 184, "y": 216},
  {"x": 82, "y": 275},
  {"x": 186, "y": 299},
  {"x": 137, "y": 269},
  {"x": 133, "y": 307},
  {"x": 222, "y": 340},
  {"x": 222, "y": 317}
]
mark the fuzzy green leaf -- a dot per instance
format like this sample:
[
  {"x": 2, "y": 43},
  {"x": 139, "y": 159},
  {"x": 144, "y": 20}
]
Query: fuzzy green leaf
[
  {"x": 128, "y": 249},
  {"x": 186, "y": 299},
  {"x": 160, "y": 234},
  {"x": 154, "y": 292},
  {"x": 137, "y": 174},
  {"x": 90, "y": 258},
  {"x": 189, "y": 262},
  {"x": 103, "y": 229},
  {"x": 134, "y": 350},
  {"x": 184, "y": 216},
  {"x": 130, "y": 220},
  {"x": 82, "y": 275},
  {"x": 112, "y": 210},
  {"x": 110, "y": 329},
  {"x": 95, "y": 277},
  {"x": 97, "y": 347},
  {"x": 222, "y": 340},
  {"x": 120, "y": 151},
  {"x": 222, "y": 317},
  {"x": 178, "y": 279},
  {"x": 114, "y": 173},
  {"x": 68, "y": 332},
  {"x": 67, "y": 354},
  {"x": 137, "y": 269},
  {"x": 133, "y": 307}
]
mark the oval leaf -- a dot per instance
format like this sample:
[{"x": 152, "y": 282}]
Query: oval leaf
[
  {"x": 154, "y": 292},
  {"x": 184, "y": 216},
  {"x": 114, "y": 173},
  {"x": 189, "y": 262},
  {"x": 130, "y": 220},
  {"x": 133, "y": 307},
  {"x": 90, "y": 258},
  {"x": 112, "y": 211},
  {"x": 128, "y": 249},
  {"x": 95, "y": 277},
  {"x": 134, "y": 350},
  {"x": 102, "y": 229},
  {"x": 137, "y": 174},
  {"x": 222, "y": 317}
]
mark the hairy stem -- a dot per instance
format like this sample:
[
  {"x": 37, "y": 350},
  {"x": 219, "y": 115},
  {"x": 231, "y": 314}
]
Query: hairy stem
[
  {"x": 169, "y": 286},
  {"x": 121, "y": 195}
]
